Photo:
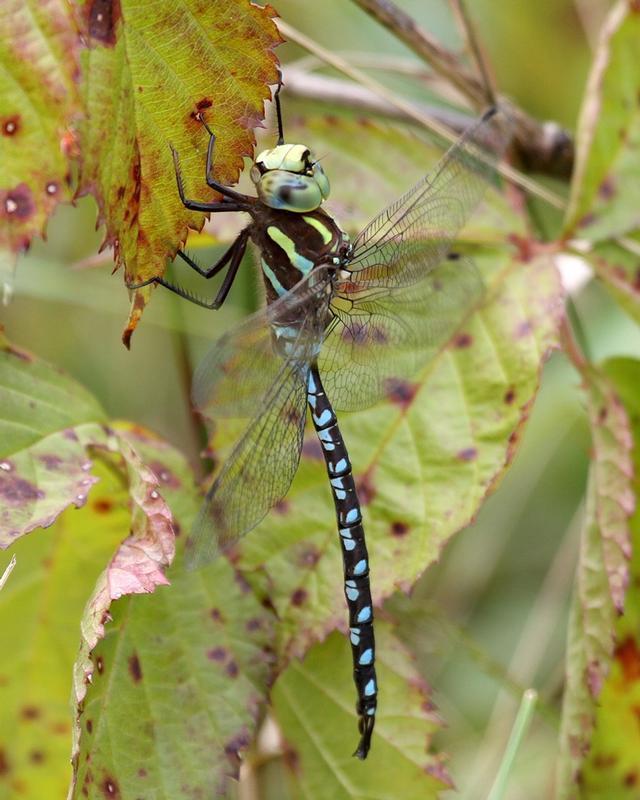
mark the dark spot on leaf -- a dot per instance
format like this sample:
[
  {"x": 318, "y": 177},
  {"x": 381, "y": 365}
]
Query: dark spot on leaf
[
  {"x": 17, "y": 491},
  {"x": 281, "y": 507},
  {"x": 607, "y": 188},
  {"x": 232, "y": 669},
  {"x": 631, "y": 778},
  {"x": 110, "y": 788},
  {"x": 309, "y": 557},
  {"x": 587, "y": 220},
  {"x": 36, "y": 756},
  {"x": 70, "y": 434},
  {"x": 100, "y": 665},
  {"x": 121, "y": 191},
  {"x": 135, "y": 669},
  {"x": 18, "y": 203},
  {"x": 4, "y": 763},
  {"x": 602, "y": 414},
  {"x": 453, "y": 256},
  {"x": 524, "y": 329},
  {"x": 217, "y": 654},
  {"x": 399, "y": 529},
  {"x": 233, "y": 747},
  {"x": 102, "y": 17},
  {"x": 254, "y": 624},
  {"x": 102, "y": 505},
  {"x": 216, "y": 615},
  {"x": 30, "y": 712},
  {"x": 604, "y": 760},
  {"x": 628, "y": 656},
  {"x": 291, "y": 758},
  {"x": 11, "y": 125},
  {"x": 510, "y": 395},
  {"x": 61, "y": 728},
  {"x": 142, "y": 772},
  {"x": 400, "y": 392},
  {"x": 164, "y": 475},
  {"x": 89, "y": 726},
  {"x": 50, "y": 461},
  {"x": 312, "y": 449},
  {"x": 299, "y": 596},
  {"x": 463, "y": 340},
  {"x": 468, "y": 454},
  {"x": 366, "y": 488},
  {"x": 206, "y": 102}
]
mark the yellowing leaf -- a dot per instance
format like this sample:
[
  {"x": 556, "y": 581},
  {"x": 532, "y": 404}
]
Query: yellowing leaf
[
  {"x": 150, "y": 73},
  {"x": 38, "y": 75}
]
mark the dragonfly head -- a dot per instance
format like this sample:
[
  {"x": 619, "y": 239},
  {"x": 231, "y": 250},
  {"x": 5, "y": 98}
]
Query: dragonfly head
[{"x": 290, "y": 178}]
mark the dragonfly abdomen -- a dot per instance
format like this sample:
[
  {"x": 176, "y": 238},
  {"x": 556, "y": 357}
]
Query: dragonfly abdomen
[{"x": 354, "y": 556}]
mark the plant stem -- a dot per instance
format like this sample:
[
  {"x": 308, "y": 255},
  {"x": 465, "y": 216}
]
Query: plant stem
[{"x": 520, "y": 726}]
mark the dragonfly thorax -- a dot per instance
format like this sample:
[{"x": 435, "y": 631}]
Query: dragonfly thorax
[{"x": 290, "y": 178}]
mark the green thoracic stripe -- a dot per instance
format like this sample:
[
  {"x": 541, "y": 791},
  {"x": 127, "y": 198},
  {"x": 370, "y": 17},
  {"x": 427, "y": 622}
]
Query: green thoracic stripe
[
  {"x": 320, "y": 227},
  {"x": 289, "y": 247}
]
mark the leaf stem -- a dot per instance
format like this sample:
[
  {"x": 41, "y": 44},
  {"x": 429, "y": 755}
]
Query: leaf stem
[{"x": 520, "y": 727}]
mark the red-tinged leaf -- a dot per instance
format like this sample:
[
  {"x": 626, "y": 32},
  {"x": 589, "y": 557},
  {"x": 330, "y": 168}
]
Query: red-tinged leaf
[
  {"x": 40, "y": 104},
  {"x": 619, "y": 269},
  {"x": 150, "y": 73},
  {"x": 180, "y": 677},
  {"x": 602, "y": 575},
  {"x": 610, "y": 771}
]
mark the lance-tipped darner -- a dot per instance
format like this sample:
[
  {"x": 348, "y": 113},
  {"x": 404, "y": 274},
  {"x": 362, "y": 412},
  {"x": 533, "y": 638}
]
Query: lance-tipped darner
[{"x": 343, "y": 322}]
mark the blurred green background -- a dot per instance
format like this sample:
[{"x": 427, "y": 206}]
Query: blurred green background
[{"x": 490, "y": 618}]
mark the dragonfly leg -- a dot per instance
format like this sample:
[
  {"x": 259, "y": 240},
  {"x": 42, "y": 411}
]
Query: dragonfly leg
[
  {"x": 232, "y": 257},
  {"x": 211, "y": 181},
  {"x": 242, "y": 201}
]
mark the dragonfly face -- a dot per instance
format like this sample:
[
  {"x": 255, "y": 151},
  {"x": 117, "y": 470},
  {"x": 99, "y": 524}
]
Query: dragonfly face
[{"x": 290, "y": 178}]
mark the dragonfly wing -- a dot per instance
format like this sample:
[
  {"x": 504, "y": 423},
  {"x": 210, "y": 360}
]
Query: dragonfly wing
[
  {"x": 261, "y": 466},
  {"x": 379, "y": 338},
  {"x": 414, "y": 234}
]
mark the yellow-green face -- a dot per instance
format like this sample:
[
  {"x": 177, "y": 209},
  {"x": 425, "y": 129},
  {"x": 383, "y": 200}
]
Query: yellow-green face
[{"x": 289, "y": 178}]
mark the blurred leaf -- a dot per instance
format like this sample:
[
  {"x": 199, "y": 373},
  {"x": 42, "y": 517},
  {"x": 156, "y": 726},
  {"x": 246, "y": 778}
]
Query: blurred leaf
[
  {"x": 46, "y": 422},
  {"x": 619, "y": 268},
  {"x": 424, "y": 461},
  {"x": 602, "y": 574},
  {"x": 610, "y": 771},
  {"x": 38, "y": 74},
  {"x": 605, "y": 192},
  {"x": 149, "y": 72},
  {"x": 40, "y": 608},
  {"x": 180, "y": 676},
  {"x": 314, "y": 708}
]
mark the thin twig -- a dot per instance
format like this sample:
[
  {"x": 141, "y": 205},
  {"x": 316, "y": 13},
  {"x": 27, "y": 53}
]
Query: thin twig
[
  {"x": 529, "y": 185},
  {"x": 542, "y": 147},
  {"x": 460, "y": 12}
]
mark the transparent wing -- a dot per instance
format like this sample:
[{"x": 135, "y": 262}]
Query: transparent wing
[
  {"x": 261, "y": 466},
  {"x": 412, "y": 236},
  {"x": 381, "y": 337},
  {"x": 403, "y": 293},
  {"x": 241, "y": 367}
]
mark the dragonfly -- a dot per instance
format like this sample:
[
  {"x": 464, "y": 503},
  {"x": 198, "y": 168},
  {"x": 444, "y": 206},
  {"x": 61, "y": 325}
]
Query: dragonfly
[{"x": 344, "y": 323}]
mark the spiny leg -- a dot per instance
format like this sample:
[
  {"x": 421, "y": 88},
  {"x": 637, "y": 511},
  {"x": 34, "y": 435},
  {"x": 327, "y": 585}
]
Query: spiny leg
[
  {"x": 354, "y": 556},
  {"x": 219, "y": 187},
  {"x": 242, "y": 201},
  {"x": 233, "y": 255}
]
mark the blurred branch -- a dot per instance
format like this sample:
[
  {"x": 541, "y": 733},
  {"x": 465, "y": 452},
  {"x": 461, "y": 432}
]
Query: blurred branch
[
  {"x": 464, "y": 20},
  {"x": 514, "y": 175},
  {"x": 543, "y": 147}
]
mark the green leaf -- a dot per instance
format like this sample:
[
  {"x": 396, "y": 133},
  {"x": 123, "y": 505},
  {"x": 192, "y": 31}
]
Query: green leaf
[
  {"x": 148, "y": 76},
  {"x": 46, "y": 423},
  {"x": 314, "y": 708},
  {"x": 602, "y": 574},
  {"x": 424, "y": 461},
  {"x": 178, "y": 681},
  {"x": 38, "y": 74},
  {"x": 619, "y": 269},
  {"x": 40, "y": 608},
  {"x": 610, "y": 770},
  {"x": 605, "y": 191}
]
